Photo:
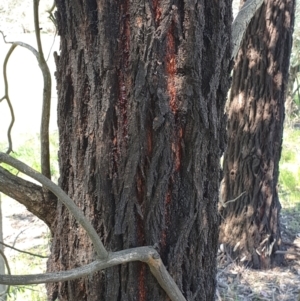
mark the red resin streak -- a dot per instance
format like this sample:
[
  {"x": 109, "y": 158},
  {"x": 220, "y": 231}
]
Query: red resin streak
[
  {"x": 171, "y": 87},
  {"x": 157, "y": 11},
  {"x": 171, "y": 69},
  {"x": 176, "y": 143}
]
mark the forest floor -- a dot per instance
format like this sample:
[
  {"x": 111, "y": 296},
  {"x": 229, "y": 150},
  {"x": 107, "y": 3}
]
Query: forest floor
[{"x": 239, "y": 283}]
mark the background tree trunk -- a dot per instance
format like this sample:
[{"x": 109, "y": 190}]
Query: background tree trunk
[
  {"x": 141, "y": 88},
  {"x": 250, "y": 225}
]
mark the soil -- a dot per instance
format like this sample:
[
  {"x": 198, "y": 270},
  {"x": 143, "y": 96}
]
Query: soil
[{"x": 21, "y": 229}]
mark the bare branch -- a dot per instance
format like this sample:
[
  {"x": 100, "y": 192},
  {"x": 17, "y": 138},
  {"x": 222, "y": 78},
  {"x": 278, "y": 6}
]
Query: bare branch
[
  {"x": 6, "y": 95},
  {"x": 45, "y": 120},
  {"x": 51, "y": 9},
  {"x": 147, "y": 255},
  {"x": 30, "y": 195},
  {"x": 22, "y": 251},
  {"x": 241, "y": 22},
  {"x": 63, "y": 197},
  {"x": 22, "y": 44}
]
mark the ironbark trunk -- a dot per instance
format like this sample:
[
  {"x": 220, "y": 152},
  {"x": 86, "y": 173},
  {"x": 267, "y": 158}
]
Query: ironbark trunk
[
  {"x": 141, "y": 88},
  {"x": 250, "y": 227}
]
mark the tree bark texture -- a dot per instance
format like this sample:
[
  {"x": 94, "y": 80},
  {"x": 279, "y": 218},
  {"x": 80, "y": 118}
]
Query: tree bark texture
[
  {"x": 250, "y": 225},
  {"x": 142, "y": 87}
]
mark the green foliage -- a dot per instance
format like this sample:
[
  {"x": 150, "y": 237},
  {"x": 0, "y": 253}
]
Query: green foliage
[
  {"x": 294, "y": 86},
  {"x": 288, "y": 180},
  {"x": 289, "y": 177},
  {"x": 288, "y": 155},
  {"x": 29, "y": 153}
]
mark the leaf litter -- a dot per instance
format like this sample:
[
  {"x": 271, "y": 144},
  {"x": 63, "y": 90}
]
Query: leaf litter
[{"x": 241, "y": 283}]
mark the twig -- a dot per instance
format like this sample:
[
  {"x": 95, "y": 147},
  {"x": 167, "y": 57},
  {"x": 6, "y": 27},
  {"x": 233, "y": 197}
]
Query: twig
[
  {"x": 6, "y": 96},
  {"x": 51, "y": 17},
  {"x": 51, "y": 9},
  {"x": 51, "y": 46},
  {"x": 224, "y": 204},
  {"x": 53, "y": 20},
  {"x": 16, "y": 238},
  {"x": 21, "y": 251}
]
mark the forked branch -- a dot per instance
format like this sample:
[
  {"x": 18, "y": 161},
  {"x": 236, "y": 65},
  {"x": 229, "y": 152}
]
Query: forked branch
[
  {"x": 145, "y": 254},
  {"x": 31, "y": 195},
  {"x": 62, "y": 196}
]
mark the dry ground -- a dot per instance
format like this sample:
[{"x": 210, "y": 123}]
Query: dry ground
[{"x": 238, "y": 283}]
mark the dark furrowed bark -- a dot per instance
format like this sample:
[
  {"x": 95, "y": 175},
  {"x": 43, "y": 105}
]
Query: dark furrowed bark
[
  {"x": 141, "y": 91},
  {"x": 250, "y": 226}
]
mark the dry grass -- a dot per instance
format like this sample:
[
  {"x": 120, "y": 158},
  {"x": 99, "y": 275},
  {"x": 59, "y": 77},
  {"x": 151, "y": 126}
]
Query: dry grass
[{"x": 239, "y": 283}]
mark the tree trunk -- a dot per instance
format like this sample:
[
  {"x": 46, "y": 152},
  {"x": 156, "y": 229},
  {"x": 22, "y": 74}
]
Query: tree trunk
[
  {"x": 250, "y": 227},
  {"x": 141, "y": 88}
]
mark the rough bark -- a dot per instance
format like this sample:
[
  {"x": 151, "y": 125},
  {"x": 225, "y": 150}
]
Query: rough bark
[
  {"x": 250, "y": 227},
  {"x": 141, "y": 88},
  {"x": 241, "y": 22}
]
